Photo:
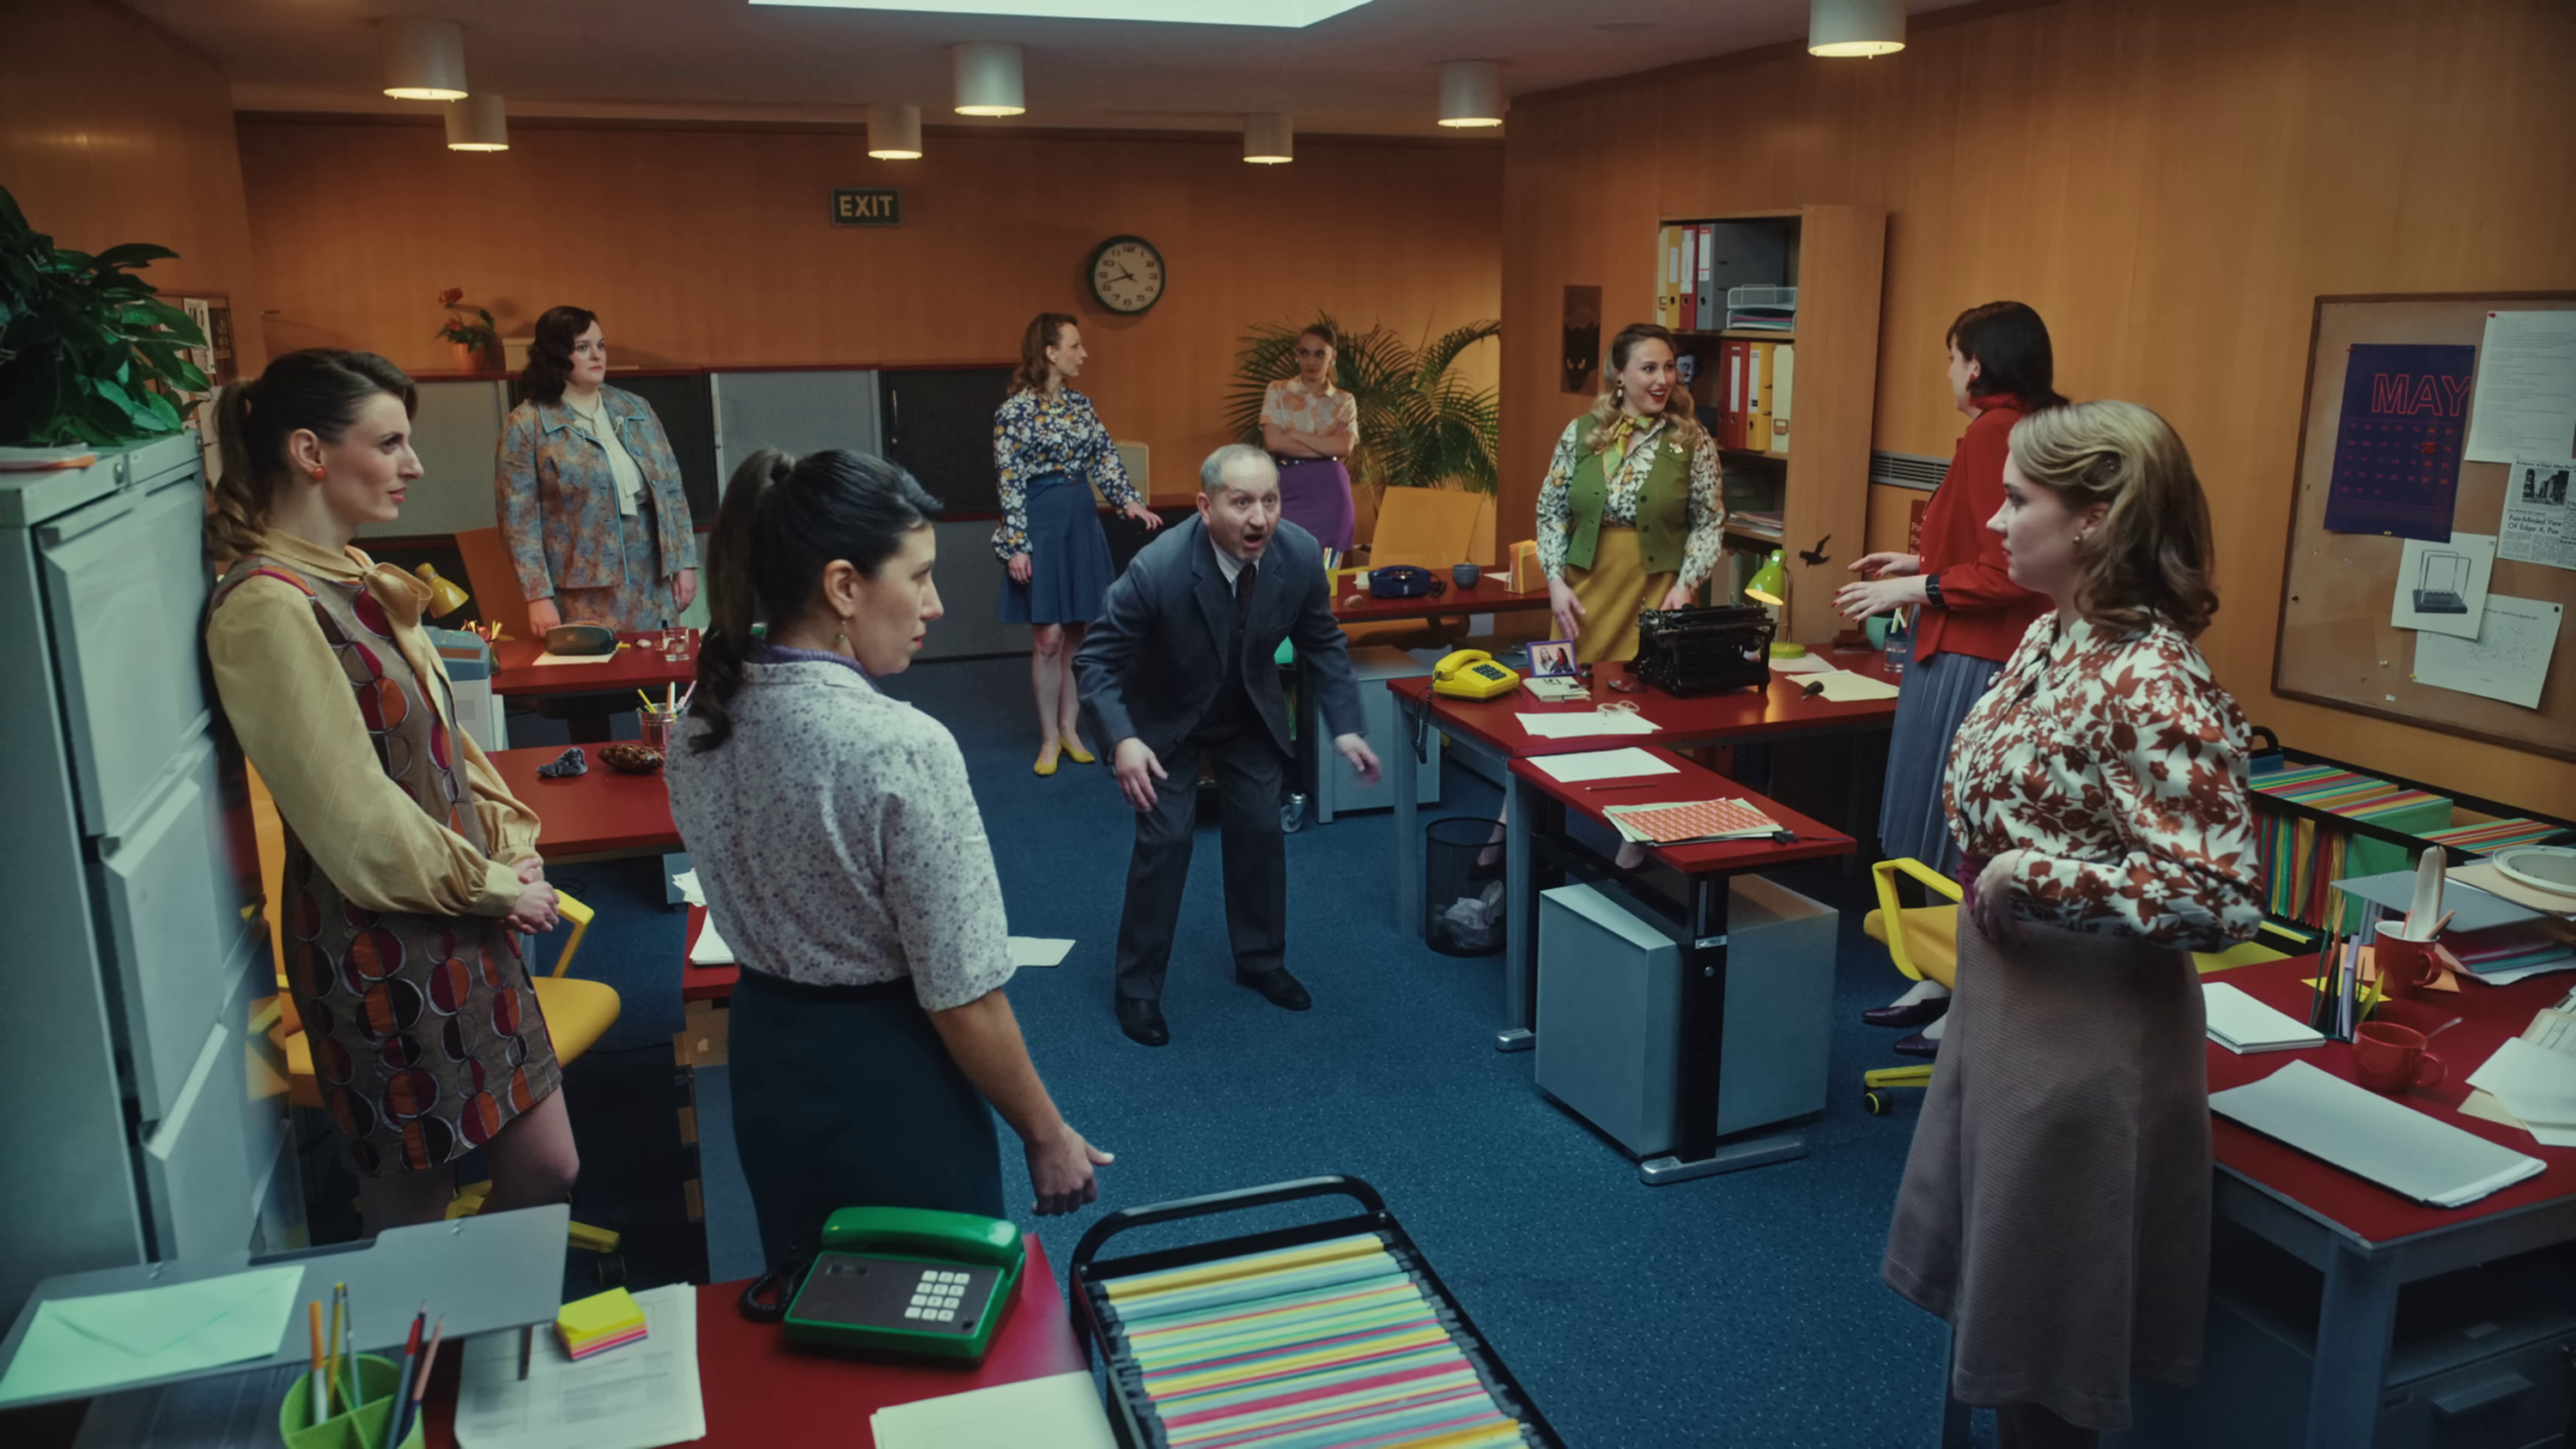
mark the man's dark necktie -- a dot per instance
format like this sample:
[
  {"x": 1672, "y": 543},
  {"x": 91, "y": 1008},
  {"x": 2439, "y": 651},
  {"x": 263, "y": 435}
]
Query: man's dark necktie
[{"x": 1245, "y": 580}]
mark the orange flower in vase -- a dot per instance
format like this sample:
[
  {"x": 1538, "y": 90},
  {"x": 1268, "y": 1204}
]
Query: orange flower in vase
[{"x": 476, "y": 340}]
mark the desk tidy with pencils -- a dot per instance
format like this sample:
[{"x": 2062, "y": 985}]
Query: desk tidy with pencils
[
  {"x": 357, "y": 1400},
  {"x": 363, "y": 1427}
]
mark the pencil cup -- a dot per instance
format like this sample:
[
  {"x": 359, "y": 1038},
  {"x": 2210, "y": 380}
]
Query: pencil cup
[
  {"x": 361, "y": 1428},
  {"x": 653, "y": 731}
]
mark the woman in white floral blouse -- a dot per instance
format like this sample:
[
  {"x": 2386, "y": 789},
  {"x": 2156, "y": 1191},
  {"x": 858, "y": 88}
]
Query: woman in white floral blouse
[
  {"x": 1051, "y": 451},
  {"x": 2056, "y": 1202}
]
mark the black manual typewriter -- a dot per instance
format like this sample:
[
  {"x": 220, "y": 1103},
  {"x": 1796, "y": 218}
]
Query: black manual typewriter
[{"x": 1687, "y": 652}]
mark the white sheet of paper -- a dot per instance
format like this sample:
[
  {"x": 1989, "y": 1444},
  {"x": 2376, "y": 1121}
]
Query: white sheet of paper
[
  {"x": 1603, "y": 765},
  {"x": 550, "y": 657},
  {"x": 637, "y": 1395},
  {"x": 2411, "y": 1153},
  {"x": 2509, "y": 660},
  {"x": 2525, "y": 405},
  {"x": 711, "y": 949},
  {"x": 1803, "y": 664},
  {"x": 1574, "y": 724},
  {"x": 686, "y": 883},
  {"x": 1039, "y": 950},
  {"x": 1844, "y": 687},
  {"x": 1061, "y": 1411},
  {"x": 2460, "y": 568},
  {"x": 2483, "y": 1104},
  {"x": 2539, "y": 519},
  {"x": 2534, "y": 1083}
]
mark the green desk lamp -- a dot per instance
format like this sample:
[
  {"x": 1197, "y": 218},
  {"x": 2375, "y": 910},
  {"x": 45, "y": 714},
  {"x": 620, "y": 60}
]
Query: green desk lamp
[{"x": 1770, "y": 585}]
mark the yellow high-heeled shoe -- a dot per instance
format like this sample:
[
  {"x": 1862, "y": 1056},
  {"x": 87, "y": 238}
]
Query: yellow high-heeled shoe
[
  {"x": 1073, "y": 749},
  {"x": 1046, "y": 759}
]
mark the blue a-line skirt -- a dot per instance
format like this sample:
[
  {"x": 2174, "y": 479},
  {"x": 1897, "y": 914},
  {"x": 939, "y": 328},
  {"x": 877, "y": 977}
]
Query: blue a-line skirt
[{"x": 1068, "y": 557}]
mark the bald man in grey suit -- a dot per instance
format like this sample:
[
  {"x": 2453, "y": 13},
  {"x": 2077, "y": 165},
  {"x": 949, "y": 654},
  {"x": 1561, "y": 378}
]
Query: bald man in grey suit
[{"x": 1180, "y": 666}]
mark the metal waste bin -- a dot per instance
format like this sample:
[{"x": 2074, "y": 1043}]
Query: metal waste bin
[{"x": 1462, "y": 900}]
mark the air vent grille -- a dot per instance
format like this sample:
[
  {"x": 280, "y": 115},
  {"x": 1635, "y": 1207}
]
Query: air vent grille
[{"x": 1908, "y": 470}]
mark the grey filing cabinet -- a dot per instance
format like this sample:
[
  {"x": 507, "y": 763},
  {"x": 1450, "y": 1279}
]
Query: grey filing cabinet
[
  {"x": 1337, "y": 790},
  {"x": 1609, "y": 1008},
  {"x": 135, "y": 945}
]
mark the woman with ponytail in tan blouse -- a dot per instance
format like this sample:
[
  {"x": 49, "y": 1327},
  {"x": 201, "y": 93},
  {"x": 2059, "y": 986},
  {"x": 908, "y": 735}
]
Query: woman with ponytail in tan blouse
[{"x": 409, "y": 867}]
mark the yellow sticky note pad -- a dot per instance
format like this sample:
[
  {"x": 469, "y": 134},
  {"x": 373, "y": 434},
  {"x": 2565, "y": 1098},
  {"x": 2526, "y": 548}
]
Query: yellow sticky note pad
[{"x": 612, "y": 1314}]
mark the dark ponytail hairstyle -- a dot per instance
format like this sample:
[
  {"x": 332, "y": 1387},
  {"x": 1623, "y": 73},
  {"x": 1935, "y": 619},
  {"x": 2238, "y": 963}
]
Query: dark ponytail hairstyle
[
  {"x": 1045, "y": 330},
  {"x": 550, "y": 351},
  {"x": 784, "y": 519},
  {"x": 320, "y": 390},
  {"x": 2010, "y": 346}
]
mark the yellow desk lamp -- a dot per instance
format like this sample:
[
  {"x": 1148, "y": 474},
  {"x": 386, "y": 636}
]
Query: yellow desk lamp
[
  {"x": 445, "y": 597},
  {"x": 1770, "y": 585}
]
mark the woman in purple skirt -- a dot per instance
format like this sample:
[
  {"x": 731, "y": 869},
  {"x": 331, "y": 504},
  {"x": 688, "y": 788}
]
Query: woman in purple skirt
[{"x": 1310, "y": 426}]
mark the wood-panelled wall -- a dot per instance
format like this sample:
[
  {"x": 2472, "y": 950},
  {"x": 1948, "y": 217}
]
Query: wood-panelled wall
[
  {"x": 2170, "y": 182},
  {"x": 112, "y": 131},
  {"x": 714, "y": 247}
]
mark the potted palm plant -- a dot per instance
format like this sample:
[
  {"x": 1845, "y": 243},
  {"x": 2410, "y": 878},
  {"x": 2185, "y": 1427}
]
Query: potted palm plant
[
  {"x": 1419, "y": 425},
  {"x": 90, "y": 357}
]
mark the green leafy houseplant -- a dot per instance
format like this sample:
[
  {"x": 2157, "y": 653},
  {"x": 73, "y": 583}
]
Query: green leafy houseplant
[
  {"x": 89, "y": 354},
  {"x": 480, "y": 338},
  {"x": 1419, "y": 427}
]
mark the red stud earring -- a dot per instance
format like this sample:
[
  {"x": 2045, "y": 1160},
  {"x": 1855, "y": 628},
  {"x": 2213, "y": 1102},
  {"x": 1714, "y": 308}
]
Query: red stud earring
[{"x": 317, "y": 474}]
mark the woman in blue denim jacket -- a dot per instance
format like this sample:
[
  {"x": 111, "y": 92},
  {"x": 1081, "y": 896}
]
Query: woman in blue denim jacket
[{"x": 589, "y": 492}]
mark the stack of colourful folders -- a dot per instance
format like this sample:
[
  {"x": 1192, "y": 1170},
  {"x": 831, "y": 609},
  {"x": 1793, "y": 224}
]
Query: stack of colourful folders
[
  {"x": 2489, "y": 836},
  {"x": 1329, "y": 1344},
  {"x": 600, "y": 1322},
  {"x": 2301, "y": 858}
]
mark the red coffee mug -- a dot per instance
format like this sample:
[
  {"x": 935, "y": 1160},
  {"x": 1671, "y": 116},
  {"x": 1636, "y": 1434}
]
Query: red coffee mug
[
  {"x": 2387, "y": 1057},
  {"x": 2405, "y": 967}
]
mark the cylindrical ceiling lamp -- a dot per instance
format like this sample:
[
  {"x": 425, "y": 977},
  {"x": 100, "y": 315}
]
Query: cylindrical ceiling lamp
[
  {"x": 1855, "y": 27},
  {"x": 894, "y": 132},
  {"x": 424, "y": 57},
  {"x": 1269, "y": 139},
  {"x": 988, "y": 79},
  {"x": 478, "y": 123},
  {"x": 1471, "y": 93}
]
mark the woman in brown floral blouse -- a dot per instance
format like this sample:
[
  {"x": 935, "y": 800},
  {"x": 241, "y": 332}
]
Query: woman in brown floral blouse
[{"x": 2055, "y": 1207}]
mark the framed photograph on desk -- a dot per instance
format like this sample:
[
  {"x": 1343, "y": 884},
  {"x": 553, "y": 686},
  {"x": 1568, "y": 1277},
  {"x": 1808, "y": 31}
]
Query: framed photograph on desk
[{"x": 1551, "y": 659}]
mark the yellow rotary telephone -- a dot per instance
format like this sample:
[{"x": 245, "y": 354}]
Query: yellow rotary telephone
[{"x": 1472, "y": 674}]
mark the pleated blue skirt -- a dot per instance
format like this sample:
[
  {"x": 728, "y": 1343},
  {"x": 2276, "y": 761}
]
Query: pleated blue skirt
[
  {"x": 1068, "y": 556},
  {"x": 1938, "y": 693}
]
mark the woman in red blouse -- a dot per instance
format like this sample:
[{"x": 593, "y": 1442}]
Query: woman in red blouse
[{"x": 1968, "y": 612}]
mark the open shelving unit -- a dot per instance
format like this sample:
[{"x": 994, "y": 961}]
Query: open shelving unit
[{"x": 1835, "y": 255}]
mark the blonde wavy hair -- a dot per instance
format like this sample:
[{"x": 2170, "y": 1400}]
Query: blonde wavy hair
[
  {"x": 2149, "y": 559},
  {"x": 1678, "y": 407}
]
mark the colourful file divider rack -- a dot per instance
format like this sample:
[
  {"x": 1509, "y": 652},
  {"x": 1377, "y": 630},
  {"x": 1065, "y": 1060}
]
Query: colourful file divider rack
[
  {"x": 1336, "y": 1335},
  {"x": 2489, "y": 836},
  {"x": 2301, "y": 856}
]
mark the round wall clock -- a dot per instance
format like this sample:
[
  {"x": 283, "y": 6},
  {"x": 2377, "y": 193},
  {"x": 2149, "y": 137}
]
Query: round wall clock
[{"x": 1126, "y": 274}]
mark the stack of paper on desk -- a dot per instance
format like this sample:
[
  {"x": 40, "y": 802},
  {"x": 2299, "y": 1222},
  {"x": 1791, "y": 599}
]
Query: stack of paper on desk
[
  {"x": 1575, "y": 723},
  {"x": 1844, "y": 687},
  {"x": 2408, "y": 1152},
  {"x": 1678, "y": 821},
  {"x": 2241, "y": 1024},
  {"x": 639, "y": 1398},
  {"x": 2536, "y": 1084},
  {"x": 1602, "y": 765}
]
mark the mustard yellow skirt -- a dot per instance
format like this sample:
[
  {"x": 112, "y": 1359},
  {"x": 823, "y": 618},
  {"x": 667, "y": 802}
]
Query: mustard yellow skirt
[{"x": 1611, "y": 592}]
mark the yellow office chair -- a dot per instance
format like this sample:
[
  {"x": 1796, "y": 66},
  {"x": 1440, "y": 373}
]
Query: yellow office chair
[{"x": 1925, "y": 946}]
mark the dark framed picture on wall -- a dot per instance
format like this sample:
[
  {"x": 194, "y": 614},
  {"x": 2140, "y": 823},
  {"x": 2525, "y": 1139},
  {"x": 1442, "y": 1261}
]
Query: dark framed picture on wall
[{"x": 1582, "y": 337}]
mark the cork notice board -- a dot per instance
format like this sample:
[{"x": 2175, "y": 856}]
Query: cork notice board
[{"x": 2337, "y": 645}]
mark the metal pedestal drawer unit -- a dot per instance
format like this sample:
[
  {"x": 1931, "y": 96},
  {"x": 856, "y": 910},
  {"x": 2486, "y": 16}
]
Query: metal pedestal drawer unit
[
  {"x": 135, "y": 943},
  {"x": 1609, "y": 1010},
  {"x": 1337, "y": 790}
]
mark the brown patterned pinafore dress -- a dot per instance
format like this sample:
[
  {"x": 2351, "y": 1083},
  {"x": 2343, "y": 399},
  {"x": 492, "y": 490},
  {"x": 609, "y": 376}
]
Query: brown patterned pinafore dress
[{"x": 425, "y": 1032}]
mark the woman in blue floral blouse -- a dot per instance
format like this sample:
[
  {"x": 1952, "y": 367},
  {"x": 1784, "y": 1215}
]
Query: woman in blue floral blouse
[{"x": 1050, "y": 450}]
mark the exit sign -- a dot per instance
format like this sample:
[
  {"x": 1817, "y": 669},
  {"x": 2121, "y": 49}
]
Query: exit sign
[{"x": 868, "y": 206}]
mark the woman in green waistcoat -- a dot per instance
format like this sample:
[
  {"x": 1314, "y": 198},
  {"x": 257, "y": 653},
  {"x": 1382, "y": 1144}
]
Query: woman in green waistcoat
[{"x": 1630, "y": 510}]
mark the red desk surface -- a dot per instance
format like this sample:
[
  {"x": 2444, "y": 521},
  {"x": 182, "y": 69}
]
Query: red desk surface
[
  {"x": 1488, "y": 595},
  {"x": 515, "y": 672},
  {"x": 761, "y": 1394},
  {"x": 703, "y": 983},
  {"x": 2488, "y": 1015},
  {"x": 587, "y": 814},
  {"x": 1695, "y": 782},
  {"x": 1709, "y": 719}
]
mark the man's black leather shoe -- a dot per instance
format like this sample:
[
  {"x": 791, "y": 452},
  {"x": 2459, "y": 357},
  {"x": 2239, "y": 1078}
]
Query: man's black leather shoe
[
  {"x": 1283, "y": 989},
  {"x": 1142, "y": 1020}
]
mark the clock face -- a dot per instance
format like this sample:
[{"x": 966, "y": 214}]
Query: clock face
[{"x": 1127, "y": 274}]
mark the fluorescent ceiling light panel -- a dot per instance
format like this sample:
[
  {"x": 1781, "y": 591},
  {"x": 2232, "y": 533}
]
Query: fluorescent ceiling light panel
[{"x": 1280, "y": 14}]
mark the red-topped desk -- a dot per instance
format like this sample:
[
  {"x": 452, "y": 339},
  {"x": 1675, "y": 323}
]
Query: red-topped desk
[
  {"x": 1487, "y": 595},
  {"x": 2366, "y": 1240},
  {"x": 639, "y": 665},
  {"x": 760, "y": 1393},
  {"x": 598, "y": 813},
  {"x": 1492, "y": 727},
  {"x": 1685, "y": 887}
]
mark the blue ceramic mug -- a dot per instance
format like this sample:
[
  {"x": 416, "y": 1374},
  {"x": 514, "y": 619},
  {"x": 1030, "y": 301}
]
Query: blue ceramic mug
[{"x": 1465, "y": 575}]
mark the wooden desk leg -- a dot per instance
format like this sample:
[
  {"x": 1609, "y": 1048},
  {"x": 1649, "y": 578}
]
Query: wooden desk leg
[
  {"x": 1403, "y": 775},
  {"x": 1703, "y": 1024},
  {"x": 2354, "y": 1327},
  {"x": 1520, "y": 920}
]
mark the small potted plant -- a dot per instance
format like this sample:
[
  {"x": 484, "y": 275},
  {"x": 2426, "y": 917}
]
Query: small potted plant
[{"x": 477, "y": 340}]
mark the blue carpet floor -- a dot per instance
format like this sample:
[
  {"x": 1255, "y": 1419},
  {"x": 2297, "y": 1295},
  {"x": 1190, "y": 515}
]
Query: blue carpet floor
[{"x": 1741, "y": 1310}]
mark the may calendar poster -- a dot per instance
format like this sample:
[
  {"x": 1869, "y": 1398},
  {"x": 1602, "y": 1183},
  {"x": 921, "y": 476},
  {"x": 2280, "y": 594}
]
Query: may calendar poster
[{"x": 2397, "y": 448}]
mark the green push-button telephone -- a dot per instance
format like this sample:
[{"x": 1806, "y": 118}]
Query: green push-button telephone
[{"x": 913, "y": 1281}]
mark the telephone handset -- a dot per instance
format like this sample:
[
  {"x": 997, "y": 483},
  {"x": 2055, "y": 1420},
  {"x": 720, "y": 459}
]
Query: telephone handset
[
  {"x": 1472, "y": 674},
  {"x": 914, "y": 1281}
]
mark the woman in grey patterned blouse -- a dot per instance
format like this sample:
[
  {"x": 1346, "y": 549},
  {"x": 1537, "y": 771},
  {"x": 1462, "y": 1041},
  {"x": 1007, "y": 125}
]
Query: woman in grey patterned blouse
[{"x": 843, "y": 856}]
